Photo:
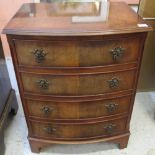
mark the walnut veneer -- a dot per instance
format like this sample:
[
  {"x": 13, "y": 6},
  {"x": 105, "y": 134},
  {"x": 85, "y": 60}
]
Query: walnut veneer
[{"x": 77, "y": 80}]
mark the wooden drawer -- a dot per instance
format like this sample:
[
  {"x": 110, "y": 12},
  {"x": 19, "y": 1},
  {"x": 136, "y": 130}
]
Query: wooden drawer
[
  {"x": 77, "y": 131},
  {"x": 78, "y": 84},
  {"x": 77, "y": 53},
  {"x": 77, "y": 110}
]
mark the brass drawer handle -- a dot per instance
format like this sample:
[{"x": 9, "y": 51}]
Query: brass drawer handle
[
  {"x": 49, "y": 130},
  {"x": 46, "y": 110},
  {"x": 117, "y": 53},
  {"x": 109, "y": 128},
  {"x": 39, "y": 55},
  {"x": 43, "y": 84},
  {"x": 111, "y": 107},
  {"x": 113, "y": 83}
]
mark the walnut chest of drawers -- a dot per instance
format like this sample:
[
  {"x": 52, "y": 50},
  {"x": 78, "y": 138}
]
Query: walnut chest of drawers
[{"x": 77, "y": 80}]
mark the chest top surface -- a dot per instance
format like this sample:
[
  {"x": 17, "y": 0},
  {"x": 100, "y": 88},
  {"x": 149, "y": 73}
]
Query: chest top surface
[{"x": 75, "y": 18}]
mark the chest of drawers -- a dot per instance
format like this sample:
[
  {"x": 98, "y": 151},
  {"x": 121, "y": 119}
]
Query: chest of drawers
[{"x": 77, "y": 80}]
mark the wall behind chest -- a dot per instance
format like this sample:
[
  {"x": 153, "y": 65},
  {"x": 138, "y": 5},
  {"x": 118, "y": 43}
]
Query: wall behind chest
[{"x": 8, "y": 9}]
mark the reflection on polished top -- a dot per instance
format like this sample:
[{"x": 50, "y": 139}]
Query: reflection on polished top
[{"x": 75, "y": 18}]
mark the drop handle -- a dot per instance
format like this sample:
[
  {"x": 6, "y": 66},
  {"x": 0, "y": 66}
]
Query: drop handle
[
  {"x": 47, "y": 110},
  {"x": 49, "y": 130},
  {"x": 43, "y": 84},
  {"x": 111, "y": 107},
  {"x": 39, "y": 55},
  {"x": 117, "y": 52},
  {"x": 114, "y": 83},
  {"x": 109, "y": 128}
]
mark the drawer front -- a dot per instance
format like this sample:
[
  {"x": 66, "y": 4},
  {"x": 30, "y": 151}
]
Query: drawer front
[
  {"x": 77, "y": 54},
  {"x": 77, "y": 131},
  {"x": 78, "y": 84},
  {"x": 78, "y": 110}
]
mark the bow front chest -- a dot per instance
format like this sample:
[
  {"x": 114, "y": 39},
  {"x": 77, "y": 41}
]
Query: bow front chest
[{"x": 77, "y": 70}]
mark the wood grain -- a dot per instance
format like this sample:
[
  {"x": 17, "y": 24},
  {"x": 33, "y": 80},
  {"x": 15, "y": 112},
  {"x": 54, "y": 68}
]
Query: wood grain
[
  {"x": 78, "y": 70},
  {"x": 73, "y": 85},
  {"x": 76, "y": 131},
  {"x": 37, "y": 21},
  {"x": 77, "y": 53},
  {"x": 77, "y": 110}
]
